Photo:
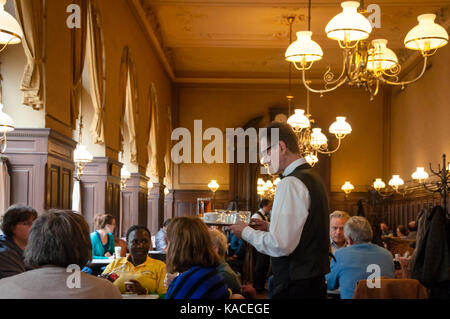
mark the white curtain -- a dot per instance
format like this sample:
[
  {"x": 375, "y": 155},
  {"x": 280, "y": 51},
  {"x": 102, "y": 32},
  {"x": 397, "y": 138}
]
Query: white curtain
[
  {"x": 4, "y": 187},
  {"x": 76, "y": 197}
]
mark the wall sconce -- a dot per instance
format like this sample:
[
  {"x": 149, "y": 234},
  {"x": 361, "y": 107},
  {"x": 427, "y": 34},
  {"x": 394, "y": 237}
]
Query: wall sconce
[
  {"x": 81, "y": 156},
  {"x": 347, "y": 188},
  {"x": 124, "y": 177},
  {"x": 6, "y": 125},
  {"x": 213, "y": 186},
  {"x": 149, "y": 187}
]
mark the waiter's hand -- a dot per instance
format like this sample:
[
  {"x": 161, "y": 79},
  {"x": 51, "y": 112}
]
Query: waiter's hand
[
  {"x": 237, "y": 228},
  {"x": 259, "y": 224}
]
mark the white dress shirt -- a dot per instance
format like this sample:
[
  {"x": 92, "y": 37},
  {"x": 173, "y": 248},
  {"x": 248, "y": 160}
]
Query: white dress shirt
[
  {"x": 256, "y": 215},
  {"x": 289, "y": 213}
]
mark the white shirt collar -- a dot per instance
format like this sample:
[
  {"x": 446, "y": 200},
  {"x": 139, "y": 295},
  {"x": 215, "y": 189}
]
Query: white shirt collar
[{"x": 293, "y": 166}]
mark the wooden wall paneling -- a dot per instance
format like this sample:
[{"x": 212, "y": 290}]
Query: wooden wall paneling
[
  {"x": 134, "y": 211},
  {"x": 100, "y": 187}
]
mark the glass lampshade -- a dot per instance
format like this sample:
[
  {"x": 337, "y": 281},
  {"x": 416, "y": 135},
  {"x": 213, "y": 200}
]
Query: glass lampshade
[
  {"x": 213, "y": 185},
  {"x": 349, "y": 25},
  {"x": 427, "y": 35},
  {"x": 124, "y": 173},
  {"x": 311, "y": 159},
  {"x": 269, "y": 184},
  {"x": 380, "y": 57},
  {"x": 260, "y": 182},
  {"x": 396, "y": 181},
  {"x": 378, "y": 184},
  {"x": 303, "y": 49},
  {"x": 420, "y": 174},
  {"x": 347, "y": 187},
  {"x": 340, "y": 128},
  {"x": 82, "y": 155},
  {"x": 276, "y": 181},
  {"x": 298, "y": 120},
  {"x": 10, "y": 30},
  {"x": 149, "y": 185},
  {"x": 318, "y": 139},
  {"x": 6, "y": 122}
]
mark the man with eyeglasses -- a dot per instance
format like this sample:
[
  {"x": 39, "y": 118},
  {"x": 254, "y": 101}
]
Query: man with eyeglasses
[
  {"x": 16, "y": 224},
  {"x": 298, "y": 236}
]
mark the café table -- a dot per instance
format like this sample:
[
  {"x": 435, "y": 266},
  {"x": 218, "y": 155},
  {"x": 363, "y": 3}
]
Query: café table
[{"x": 135, "y": 296}]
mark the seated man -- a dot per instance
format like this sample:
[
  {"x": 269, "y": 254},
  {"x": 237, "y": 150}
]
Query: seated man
[
  {"x": 412, "y": 227},
  {"x": 337, "y": 222},
  {"x": 16, "y": 226},
  {"x": 236, "y": 252},
  {"x": 385, "y": 231},
  {"x": 220, "y": 245},
  {"x": 352, "y": 262}
]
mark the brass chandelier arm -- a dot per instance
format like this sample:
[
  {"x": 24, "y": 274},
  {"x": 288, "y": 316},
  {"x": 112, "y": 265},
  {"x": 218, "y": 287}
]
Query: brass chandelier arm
[
  {"x": 320, "y": 91},
  {"x": 403, "y": 83},
  {"x": 331, "y": 152},
  {"x": 328, "y": 76},
  {"x": 3, "y": 143}
]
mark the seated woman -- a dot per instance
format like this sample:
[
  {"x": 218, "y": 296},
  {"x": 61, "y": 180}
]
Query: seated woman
[
  {"x": 142, "y": 274},
  {"x": 16, "y": 225},
  {"x": 103, "y": 239},
  {"x": 220, "y": 245},
  {"x": 191, "y": 253},
  {"x": 58, "y": 246}
]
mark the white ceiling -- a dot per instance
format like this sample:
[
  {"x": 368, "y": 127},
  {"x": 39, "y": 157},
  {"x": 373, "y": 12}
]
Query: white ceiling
[{"x": 246, "y": 39}]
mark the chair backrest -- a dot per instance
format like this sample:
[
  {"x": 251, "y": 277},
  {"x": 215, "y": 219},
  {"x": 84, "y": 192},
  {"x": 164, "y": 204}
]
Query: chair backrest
[{"x": 391, "y": 289}]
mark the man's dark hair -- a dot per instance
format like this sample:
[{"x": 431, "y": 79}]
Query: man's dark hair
[
  {"x": 264, "y": 202},
  {"x": 14, "y": 215},
  {"x": 167, "y": 222},
  {"x": 59, "y": 238},
  {"x": 412, "y": 228},
  {"x": 135, "y": 228},
  {"x": 285, "y": 134},
  {"x": 402, "y": 230}
]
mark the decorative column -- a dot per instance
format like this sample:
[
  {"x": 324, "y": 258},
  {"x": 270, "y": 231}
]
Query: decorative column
[
  {"x": 168, "y": 204},
  {"x": 100, "y": 189},
  {"x": 134, "y": 202},
  {"x": 42, "y": 168},
  {"x": 156, "y": 208}
]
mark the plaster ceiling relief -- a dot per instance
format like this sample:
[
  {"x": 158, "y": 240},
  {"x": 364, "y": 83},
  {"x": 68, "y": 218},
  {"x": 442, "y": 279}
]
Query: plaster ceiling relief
[{"x": 248, "y": 38}]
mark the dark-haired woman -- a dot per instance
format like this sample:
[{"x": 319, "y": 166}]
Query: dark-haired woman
[
  {"x": 58, "y": 246},
  {"x": 103, "y": 239},
  {"x": 191, "y": 253},
  {"x": 138, "y": 273},
  {"x": 16, "y": 225}
]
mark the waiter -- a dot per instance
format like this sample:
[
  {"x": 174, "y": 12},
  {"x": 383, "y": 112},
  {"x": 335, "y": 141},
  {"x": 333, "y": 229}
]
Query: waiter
[{"x": 297, "y": 239}]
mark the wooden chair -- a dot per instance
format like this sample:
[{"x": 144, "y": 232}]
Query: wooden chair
[{"x": 391, "y": 289}]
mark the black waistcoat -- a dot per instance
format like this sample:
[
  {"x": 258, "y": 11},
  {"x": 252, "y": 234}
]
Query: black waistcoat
[{"x": 310, "y": 257}]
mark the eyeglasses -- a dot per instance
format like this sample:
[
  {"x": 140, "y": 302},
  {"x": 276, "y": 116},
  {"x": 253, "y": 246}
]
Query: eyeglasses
[{"x": 267, "y": 151}]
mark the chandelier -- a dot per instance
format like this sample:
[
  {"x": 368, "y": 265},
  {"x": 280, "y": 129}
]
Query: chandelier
[
  {"x": 439, "y": 182},
  {"x": 365, "y": 64},
  {"x": 312, "y": 141},
  {"x": 266, "y": 189}
]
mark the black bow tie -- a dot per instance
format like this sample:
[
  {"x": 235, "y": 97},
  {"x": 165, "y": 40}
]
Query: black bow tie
[{"x": 281, "y": 176}]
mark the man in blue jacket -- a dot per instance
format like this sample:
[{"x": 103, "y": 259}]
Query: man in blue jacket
[{"x": 352, "y": 262}]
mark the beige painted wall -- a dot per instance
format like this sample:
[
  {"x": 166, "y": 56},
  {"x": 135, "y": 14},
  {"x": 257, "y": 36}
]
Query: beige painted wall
[
  {"x": 13, "y": 63},
  {"x": 420, "y": 119},
  {"x": 359, "y": 159},
  {"x": 120, "y": 29}
]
